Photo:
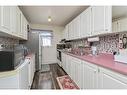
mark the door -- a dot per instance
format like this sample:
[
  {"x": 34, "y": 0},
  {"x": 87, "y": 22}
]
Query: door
[
  {"x": 90, "y": 76},
  {"x": 47, "y": 50},
  {"x": 111, "y": 80}
]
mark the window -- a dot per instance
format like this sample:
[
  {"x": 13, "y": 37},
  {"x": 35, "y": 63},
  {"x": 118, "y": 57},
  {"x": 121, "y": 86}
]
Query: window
[{"x": 46, "y": 38}]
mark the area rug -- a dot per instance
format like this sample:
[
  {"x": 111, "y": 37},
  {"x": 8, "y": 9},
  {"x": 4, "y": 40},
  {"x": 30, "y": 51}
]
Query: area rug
[{"x": 65, "y": 82}]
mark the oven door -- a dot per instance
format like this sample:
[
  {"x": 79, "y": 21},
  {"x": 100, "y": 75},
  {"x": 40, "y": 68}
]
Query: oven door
[{"x": 59, "y": 57}]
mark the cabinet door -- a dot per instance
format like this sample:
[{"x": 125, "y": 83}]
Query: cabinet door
[
  {"x": 5, "y": 18},
  {"x": 76, "y": 27},
  {"x": 13, "y": 21},
  {"x": 90, "y": 76},
  {"x": 76, "y": 71},
  {"x": 63, "y": 60},
  {"x": 25, "y": 30},
  {"x": 24, "y": 75},
  {"x": 111, "y": 80},
  {"x": 122, "y": 25},
  {"x": 67, "y": 64},
  {"x": 101, "y": 19},
  {"x": 66, "y": 32},
  {"x": 98, "y": 19},
  {"x": 18, "y": 21},
  {"x": 71, "y": 33},
  {"x": 24, "y": 27},
  {"x": 86, "y": 23}
]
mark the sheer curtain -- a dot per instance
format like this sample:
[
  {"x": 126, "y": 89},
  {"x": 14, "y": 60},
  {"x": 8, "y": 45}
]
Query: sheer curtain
[{"x": 46, "y": 38}]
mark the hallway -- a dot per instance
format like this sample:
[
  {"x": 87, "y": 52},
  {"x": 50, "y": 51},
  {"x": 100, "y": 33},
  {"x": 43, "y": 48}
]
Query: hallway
[{"x": 47, "y": 79}]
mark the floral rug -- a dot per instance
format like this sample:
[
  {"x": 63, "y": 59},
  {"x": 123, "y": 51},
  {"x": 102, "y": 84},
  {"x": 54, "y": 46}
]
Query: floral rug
[{"x": 65, "y": 82}]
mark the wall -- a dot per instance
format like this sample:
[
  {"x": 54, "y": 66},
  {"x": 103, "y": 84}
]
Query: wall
[{"x": 51, "y": 55}]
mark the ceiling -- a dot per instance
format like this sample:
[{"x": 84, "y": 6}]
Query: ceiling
[
  {"x": 61, "y": 15},
  {"x": 119, "y": 11}
]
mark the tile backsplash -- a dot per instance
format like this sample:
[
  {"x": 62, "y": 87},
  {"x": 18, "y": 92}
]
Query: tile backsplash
[
  {"x": 106, "y": 44},
  {"x": 5, "y": 40}
]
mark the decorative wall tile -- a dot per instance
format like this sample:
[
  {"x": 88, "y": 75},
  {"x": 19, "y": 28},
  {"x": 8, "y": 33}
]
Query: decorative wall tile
[
  {"x": 106, "y": 44},
  {"x": 5, "y": 40}
]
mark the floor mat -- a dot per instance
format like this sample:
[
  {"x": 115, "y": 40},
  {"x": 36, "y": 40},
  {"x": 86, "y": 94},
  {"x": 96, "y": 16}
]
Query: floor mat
[
  {"x": 65, "y": 82},
  {"x": 45, "y": 81}
]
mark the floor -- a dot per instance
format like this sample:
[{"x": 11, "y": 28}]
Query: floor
[{"x": 46, "y": 79}]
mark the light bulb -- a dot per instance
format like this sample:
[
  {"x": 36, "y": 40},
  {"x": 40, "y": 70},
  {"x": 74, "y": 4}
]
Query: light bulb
[{"x": 49, "y": 19}]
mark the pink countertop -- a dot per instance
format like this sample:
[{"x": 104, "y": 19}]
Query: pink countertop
[{"x": 104, "y": 60}]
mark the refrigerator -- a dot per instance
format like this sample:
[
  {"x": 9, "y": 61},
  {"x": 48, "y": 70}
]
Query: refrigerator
[{"x": 33, "y": 45}]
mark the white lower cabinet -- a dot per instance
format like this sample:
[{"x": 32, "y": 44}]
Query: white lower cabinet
[
  {"x": 21, "y": 78},
  {"x": 9, "y": 81},
  {"x": 64, "y": 61},
  {"x": 24, "y": 76},
  {"x": 76, "y": 69},
  {"x": 31, "y": 69},
  {"x": 90, "y": 76},
  {"x": 111, "y": 80},
  {"x": 16, "y": 79}
]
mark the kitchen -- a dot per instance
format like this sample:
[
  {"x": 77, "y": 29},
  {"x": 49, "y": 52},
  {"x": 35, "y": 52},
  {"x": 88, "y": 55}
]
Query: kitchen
[{"x": 86, "y": 49}]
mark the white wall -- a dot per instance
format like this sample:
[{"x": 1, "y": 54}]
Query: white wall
[{"x": 57, "y": 35}]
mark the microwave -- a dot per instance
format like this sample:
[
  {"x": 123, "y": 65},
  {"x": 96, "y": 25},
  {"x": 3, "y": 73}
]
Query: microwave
[{"x": 11, "y": 59}]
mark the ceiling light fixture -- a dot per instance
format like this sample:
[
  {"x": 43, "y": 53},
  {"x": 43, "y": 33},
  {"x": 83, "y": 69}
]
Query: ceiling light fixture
[{"x": 49, "y": 19}]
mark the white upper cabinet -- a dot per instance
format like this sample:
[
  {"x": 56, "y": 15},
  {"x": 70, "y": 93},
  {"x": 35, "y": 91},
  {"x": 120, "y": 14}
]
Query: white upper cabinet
[
  {"x": 85, "y": 23},
  {"x": 18, "y": 22},
  {"x": 93, "y": 21},
  {"x": 24, "y": 27},
  {"x": 12, "y": 22},
  {"x": 76, "y": 27},
  {"x": 70, "y": 30},
  {"x": 101, "y": 19},
  {"x": 5, "y": 18},
  {"x": 122, "y": 25},
  {"x": 65, "y": 34},
  {"x": 119, "y": 25}
]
